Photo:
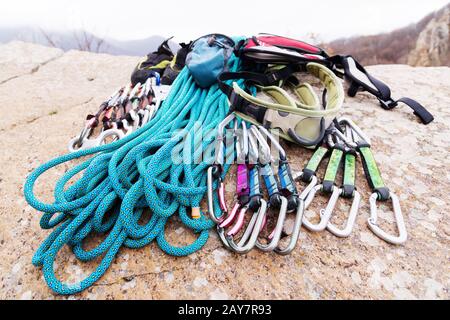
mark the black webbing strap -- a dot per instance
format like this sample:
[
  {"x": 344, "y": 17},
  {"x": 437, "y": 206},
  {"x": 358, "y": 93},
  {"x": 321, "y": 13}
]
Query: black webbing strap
[
  {"x": 376, "y": 87},
  {"x": 262, "y": 79}
]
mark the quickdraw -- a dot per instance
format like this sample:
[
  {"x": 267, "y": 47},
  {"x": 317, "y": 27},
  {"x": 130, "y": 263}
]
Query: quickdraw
[
  {"x": 127, "y": 110},
  {"x": 276, "y": 200},
  {"x": 248, "y": 196},
  {"x": 381, "y": 192},
  {"x": 215, "y": 173},
  {"x": 327, "y": 187},
  {"x": 348, "y": 190}
]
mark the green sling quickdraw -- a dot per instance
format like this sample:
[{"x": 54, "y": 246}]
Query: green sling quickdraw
[
  {"x": 380, "y": 191},
  {"x": 348, "y": 188},
  {"x": 328, "y": 187}
]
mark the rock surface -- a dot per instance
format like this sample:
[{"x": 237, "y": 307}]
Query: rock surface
[
  {"x": 45, "y": 96},
  {"x": 425, "y": 43},
  {"x": 433, "y": 43}
]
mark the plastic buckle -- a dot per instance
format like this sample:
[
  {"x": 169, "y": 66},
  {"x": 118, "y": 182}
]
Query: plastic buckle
[
  {"x": 236, "y": 101},
  {"x": 272, "y": 77},
  {"x": 388, "y": 104}
]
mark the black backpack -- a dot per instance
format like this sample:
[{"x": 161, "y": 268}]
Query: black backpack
[{"x": 155, "y": 62}]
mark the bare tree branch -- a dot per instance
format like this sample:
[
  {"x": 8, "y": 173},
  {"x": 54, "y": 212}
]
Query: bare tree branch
[{"x": 48, "y": 38}]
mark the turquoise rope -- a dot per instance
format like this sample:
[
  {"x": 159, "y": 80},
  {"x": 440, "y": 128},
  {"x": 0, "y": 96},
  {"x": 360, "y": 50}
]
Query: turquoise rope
[{"x": 124, "y": 178}]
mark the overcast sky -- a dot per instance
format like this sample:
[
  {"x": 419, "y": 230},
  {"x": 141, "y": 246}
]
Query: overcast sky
[{"x": 135, "y": 19}]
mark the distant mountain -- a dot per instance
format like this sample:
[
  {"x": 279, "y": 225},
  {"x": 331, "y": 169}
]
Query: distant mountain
[
  {"x": 426, "y": 43},
  {"x": 82, "y": 40}
]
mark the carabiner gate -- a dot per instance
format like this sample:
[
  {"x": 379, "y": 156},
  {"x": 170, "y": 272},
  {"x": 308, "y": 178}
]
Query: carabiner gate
[
  {"x": 295, "y": 232},
  {"x": 214, "y": 173},
  {"x": 250, "y": 236},
  {"x": 275, "y": 236},
  {"x": 347, "y": 230},
  {"x": 325, "y": 214}
]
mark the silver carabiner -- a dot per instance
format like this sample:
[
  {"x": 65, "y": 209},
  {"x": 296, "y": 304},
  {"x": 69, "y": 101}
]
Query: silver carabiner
[
  {"x": 372, "y": 222},
  {"x": 347, "y": 230},
  {"x": 134, "y": 91},
  {"x": 296, "y": 231},
  {"x": 250, "y": 237},
  {"x": 304, "y": 194},
  {"x": 242, "y": 143},
  {"x": 161, "y": 92},
  {"x": 262, "y": 146},
  {"x": 100, "y": 140},
  {"x": 219, "y": 160},
  {"x": 274, "y": 141},
  {"x": 356, "y": 133},
  {"x": 299, "y": 215},
  {"x": 125, "y": 94},
  {"x": 219, "y": 151},
  {"x": 210, "y": 191},
  {"x": 275, "y": 236},
  {"x": 76, "y": 143},
  {"x": 128, "y": 129},
  {"x": 327, "y": 212}
]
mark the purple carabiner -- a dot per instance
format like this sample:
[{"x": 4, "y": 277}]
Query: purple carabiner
[{"x": 242, "y": 188}]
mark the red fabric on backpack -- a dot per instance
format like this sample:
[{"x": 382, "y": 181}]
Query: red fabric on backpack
[{"x": 282, "y": 42}]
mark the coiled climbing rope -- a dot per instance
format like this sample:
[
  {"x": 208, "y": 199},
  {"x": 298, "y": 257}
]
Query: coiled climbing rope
[{"x": 122, "y": 179}]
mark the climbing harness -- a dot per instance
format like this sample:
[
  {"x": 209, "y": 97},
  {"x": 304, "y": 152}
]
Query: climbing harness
[
  {"x": 303, "y": 120},
  {"x": 265, "y": 50}
]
